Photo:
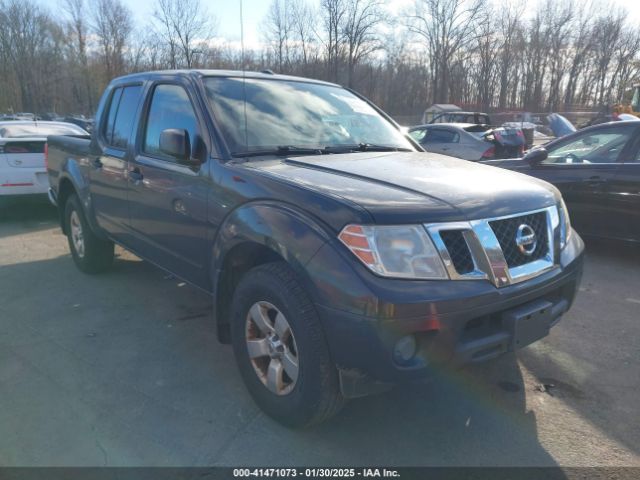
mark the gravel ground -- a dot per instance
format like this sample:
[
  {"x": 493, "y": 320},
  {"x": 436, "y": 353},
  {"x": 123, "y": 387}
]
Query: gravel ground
[{"x": 124, "y": 369}]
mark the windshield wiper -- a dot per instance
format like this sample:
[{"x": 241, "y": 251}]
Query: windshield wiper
[
  {"x": 280, "y": 150},
  {"x": 365, "y": 147}
]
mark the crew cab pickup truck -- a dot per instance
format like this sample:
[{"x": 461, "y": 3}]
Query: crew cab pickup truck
[{"x": 340, "y": 257}]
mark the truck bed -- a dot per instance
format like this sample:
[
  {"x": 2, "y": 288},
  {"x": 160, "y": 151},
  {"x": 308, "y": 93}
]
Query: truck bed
[{"x": 62, "y": 148}]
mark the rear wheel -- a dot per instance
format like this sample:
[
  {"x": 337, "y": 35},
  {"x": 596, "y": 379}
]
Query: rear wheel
[
  {"x": 280, "y": 348},
  {"x": 90, "y": 253}
]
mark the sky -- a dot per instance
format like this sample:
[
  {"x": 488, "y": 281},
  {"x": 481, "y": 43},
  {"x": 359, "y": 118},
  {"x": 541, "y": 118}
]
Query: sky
[{"x": 228, "y": 14}]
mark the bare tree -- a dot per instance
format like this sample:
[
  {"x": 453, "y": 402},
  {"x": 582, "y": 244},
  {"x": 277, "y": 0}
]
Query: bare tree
[
  {"x": 359, "y": 32},
  {"x": 302, "y": 29},
  {"x": 333, "y": 13},
  {"x": 278, "y": 26},
  {"x": 508, "y": 28},
  {"x": 78, "y": 30},
  {"x": 112, "y": 26},
  {"x": 186, "y": 27},
  {"x": 447, "y": 26}
]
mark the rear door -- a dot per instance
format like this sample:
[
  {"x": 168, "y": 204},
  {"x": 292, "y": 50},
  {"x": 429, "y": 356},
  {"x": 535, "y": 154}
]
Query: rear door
[
  {"x": 442, "y": 140},
  {"x": 624, "y": 195},
  {"x": 108, "y": 170},
  {"x": 168, "y": 200}
]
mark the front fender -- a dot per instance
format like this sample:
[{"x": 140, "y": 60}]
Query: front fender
[{"x": 283, "y": 229}]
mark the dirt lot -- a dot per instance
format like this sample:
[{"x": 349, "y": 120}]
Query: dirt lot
[{"x": 124, "y": 369}]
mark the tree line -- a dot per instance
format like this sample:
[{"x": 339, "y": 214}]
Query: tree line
[{"x": 493, "y": 55}]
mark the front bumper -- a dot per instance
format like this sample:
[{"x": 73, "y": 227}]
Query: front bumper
[{"x": 456, "y": 323}]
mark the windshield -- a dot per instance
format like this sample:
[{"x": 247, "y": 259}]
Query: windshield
[
  {"x": 292, "y": 113},
  {"x": 39, "y": 130}
]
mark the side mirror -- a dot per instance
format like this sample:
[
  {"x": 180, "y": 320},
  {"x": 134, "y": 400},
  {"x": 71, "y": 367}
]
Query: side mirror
[
  {"x": 536, "y": 156},
  {"x": 175, "y": 142}
]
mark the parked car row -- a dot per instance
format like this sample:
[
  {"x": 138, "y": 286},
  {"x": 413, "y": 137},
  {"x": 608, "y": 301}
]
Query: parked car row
[{"x": 79, "y": 120}]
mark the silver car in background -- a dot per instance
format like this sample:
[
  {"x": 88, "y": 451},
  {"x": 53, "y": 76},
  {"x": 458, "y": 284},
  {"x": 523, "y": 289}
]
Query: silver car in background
[{"x": 470, "y": 141}]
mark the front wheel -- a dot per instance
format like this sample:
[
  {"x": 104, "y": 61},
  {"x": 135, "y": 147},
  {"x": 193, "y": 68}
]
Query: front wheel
[
  {"x": 90, "y": 253},
  {"x": 280, "y": 348}
]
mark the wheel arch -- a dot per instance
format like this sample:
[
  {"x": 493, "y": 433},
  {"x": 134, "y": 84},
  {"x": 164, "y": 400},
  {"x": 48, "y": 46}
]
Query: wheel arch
[
  {"x": 256, "y": 234},
  {"x": 72, "y": 181}
]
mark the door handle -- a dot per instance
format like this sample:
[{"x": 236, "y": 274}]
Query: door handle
[
  {"x": 595, "y": 181},
  {"x": 97, "y": 163},
  {"x": 136, "y": 175}
]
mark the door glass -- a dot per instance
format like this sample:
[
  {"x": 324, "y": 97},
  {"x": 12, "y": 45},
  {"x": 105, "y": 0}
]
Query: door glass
[
  {"x": 443, "y": 136},
  {"x": 170, "y": 108},
  {"x": 113, "y": 109},
  {"x": 601, "y": 146},
  {"x": 126, "y": 116}
]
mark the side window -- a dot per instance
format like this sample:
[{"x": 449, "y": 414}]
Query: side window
[
  {"x": 170, "y": 108},
  {"x": 126, "y": 116},
  {"x": 439, "y": 135},
  {"x": 600, "y": 146},
  {"x": 107, "y": 129},
  {"x": 121, "y": 116}
]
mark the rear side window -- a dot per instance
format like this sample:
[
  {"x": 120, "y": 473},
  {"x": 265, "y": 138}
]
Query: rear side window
[
  {"x": 107, "y": 130},
  {"x": 170, "y": 108},
  {"x": 121, "y": 117},
  {"x": 22, "y": 147},
  {"x": 437, "y": 135},
  {"x": 126, "y": 116}
]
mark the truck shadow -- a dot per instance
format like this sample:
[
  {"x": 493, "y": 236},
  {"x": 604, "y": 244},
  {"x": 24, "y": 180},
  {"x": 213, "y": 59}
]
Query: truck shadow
[{"x": 476, "y": 416}]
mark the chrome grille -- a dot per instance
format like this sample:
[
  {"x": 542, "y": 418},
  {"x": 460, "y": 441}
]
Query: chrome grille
[
  {"x": 458, "y": 250},
  {"x": 487, "y": 248},
  {"x": 506, "y": 229}
]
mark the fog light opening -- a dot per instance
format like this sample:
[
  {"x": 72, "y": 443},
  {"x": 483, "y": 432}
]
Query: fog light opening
[{"x": 405, "y": 350}]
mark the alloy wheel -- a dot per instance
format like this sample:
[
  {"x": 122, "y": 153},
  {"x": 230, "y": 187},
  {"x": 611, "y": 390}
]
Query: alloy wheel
[{"x": 272, "y": 348}]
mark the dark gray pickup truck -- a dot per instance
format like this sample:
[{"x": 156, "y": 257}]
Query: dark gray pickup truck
[{"x": 340, "y": 257}]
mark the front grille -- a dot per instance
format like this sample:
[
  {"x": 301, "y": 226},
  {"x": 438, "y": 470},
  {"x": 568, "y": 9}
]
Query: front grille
[
  {"x": 506, "y": 229},
  {"x": 458, "y": 250}
]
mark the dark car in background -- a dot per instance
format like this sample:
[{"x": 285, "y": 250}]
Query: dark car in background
[{"x": 597, "y": 169}]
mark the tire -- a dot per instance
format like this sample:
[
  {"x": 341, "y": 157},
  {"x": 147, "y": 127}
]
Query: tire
[
  {"x": 312, "y": 394},
  {"x": 90, "y": 253}
]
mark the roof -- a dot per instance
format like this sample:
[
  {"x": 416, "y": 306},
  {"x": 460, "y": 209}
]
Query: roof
[
  {"x": 443, "y": 107},
  {"x": 15, "y": 127},
  {"x": 216, "y": 73},
  {"x": 459, "y": 126}
]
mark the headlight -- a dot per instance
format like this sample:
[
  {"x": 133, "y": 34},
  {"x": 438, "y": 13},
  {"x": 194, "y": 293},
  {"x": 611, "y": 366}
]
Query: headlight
[
  {"x": 404, "y": 251},
  {"x": 565, "y": 224}
]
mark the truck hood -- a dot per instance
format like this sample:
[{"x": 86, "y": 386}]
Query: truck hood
[{"x": 399, "y": 187}]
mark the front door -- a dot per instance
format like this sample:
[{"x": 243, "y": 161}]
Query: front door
[
  {"x": 108, "y": 171},
  {"x": 167, "y": 199},
  {"x": 583, "y": 168}
]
